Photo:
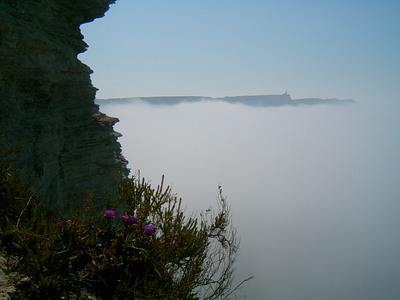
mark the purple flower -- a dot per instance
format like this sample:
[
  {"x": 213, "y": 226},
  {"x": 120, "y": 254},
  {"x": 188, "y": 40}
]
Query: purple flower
[
  {"x": 109, "y": 213},
  {"x": 149, "y": 230},
  {"x": 128, "y": 219}
]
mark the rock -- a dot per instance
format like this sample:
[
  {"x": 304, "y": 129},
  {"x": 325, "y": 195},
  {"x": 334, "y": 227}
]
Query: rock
[
  {"x": 7, "y": 278},
  {"x": 51, "y": 129}
]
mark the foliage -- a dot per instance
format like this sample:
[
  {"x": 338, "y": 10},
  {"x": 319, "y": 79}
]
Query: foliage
[{"x": 141, "y": 246}]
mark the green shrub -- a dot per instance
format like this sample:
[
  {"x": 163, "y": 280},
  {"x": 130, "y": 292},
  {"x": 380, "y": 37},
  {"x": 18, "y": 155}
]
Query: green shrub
[{"x": 141, "y": 246}]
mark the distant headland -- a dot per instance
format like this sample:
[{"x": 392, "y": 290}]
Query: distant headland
[{"x": 251, "y": 100}]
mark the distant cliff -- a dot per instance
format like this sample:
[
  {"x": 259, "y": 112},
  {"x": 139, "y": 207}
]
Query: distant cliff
[
  {"x": 256, "y": 100},
  {"x": 51, "y": 129}
]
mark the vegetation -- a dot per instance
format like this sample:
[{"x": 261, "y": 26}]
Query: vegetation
[{"x": 141, "y": 246}]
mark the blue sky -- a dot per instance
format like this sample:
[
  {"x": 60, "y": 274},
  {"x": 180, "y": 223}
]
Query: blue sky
[
  {"x": 320, "y": 183},
  {"x": 342, "y": 49}
]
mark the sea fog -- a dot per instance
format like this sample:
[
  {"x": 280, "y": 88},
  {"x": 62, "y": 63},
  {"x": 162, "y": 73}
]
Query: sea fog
[{"x": 314, "y": 190}]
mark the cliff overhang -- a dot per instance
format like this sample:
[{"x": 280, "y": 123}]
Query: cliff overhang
[{"x": 51, "y": 129}]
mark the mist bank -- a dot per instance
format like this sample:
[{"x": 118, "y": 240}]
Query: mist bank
[
  {"x": 251, "y": 100},
  {"x": 313, "y": 189}
]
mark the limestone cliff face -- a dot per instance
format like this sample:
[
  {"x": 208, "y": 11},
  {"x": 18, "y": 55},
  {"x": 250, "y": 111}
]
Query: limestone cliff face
[{"x": 49, "y": 125}]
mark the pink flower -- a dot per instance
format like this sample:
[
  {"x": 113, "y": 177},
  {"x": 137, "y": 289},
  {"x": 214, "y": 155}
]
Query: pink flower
[
  {"x": 109, "y": 213},
  {"x": 128, "y": 219},
  {"x": 149, "y": 230}
]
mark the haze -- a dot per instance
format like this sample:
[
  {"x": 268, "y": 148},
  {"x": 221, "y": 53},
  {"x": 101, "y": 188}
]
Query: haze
[{"x": 314, "y": 190}]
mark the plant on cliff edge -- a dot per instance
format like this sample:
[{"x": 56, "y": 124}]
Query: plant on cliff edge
[{"x": 140, "y": 247}]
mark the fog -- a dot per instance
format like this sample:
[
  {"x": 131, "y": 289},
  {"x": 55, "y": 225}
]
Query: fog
[{"x": 314, "y": 190}]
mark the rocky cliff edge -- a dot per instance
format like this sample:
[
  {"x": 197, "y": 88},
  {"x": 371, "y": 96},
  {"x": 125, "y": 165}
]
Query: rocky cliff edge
[{"x": 50, "y": 127}]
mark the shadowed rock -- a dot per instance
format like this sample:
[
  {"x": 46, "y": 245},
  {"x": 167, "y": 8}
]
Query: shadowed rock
[{"x": 51, "y": 129}]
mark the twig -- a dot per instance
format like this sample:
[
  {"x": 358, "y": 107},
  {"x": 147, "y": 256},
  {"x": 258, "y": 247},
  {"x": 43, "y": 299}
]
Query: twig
[
  {"x": 239, "y": 285},
  {"x": 26, "y": 206}
]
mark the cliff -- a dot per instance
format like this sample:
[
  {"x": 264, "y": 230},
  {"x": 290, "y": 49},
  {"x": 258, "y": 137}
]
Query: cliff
[
  {"x": 261, "y": 100},
  {"x": 255, "y": 100},
  {"x": 51, "y": 129}
]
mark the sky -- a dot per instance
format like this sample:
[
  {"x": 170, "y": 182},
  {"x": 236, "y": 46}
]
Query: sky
[
  {"x": 309, "y": 48},
  {"x": 313, "y": 189}
]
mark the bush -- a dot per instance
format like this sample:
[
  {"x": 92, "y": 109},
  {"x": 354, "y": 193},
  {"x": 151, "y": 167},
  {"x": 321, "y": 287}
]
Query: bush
[{"x": 141, "y": 246}]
